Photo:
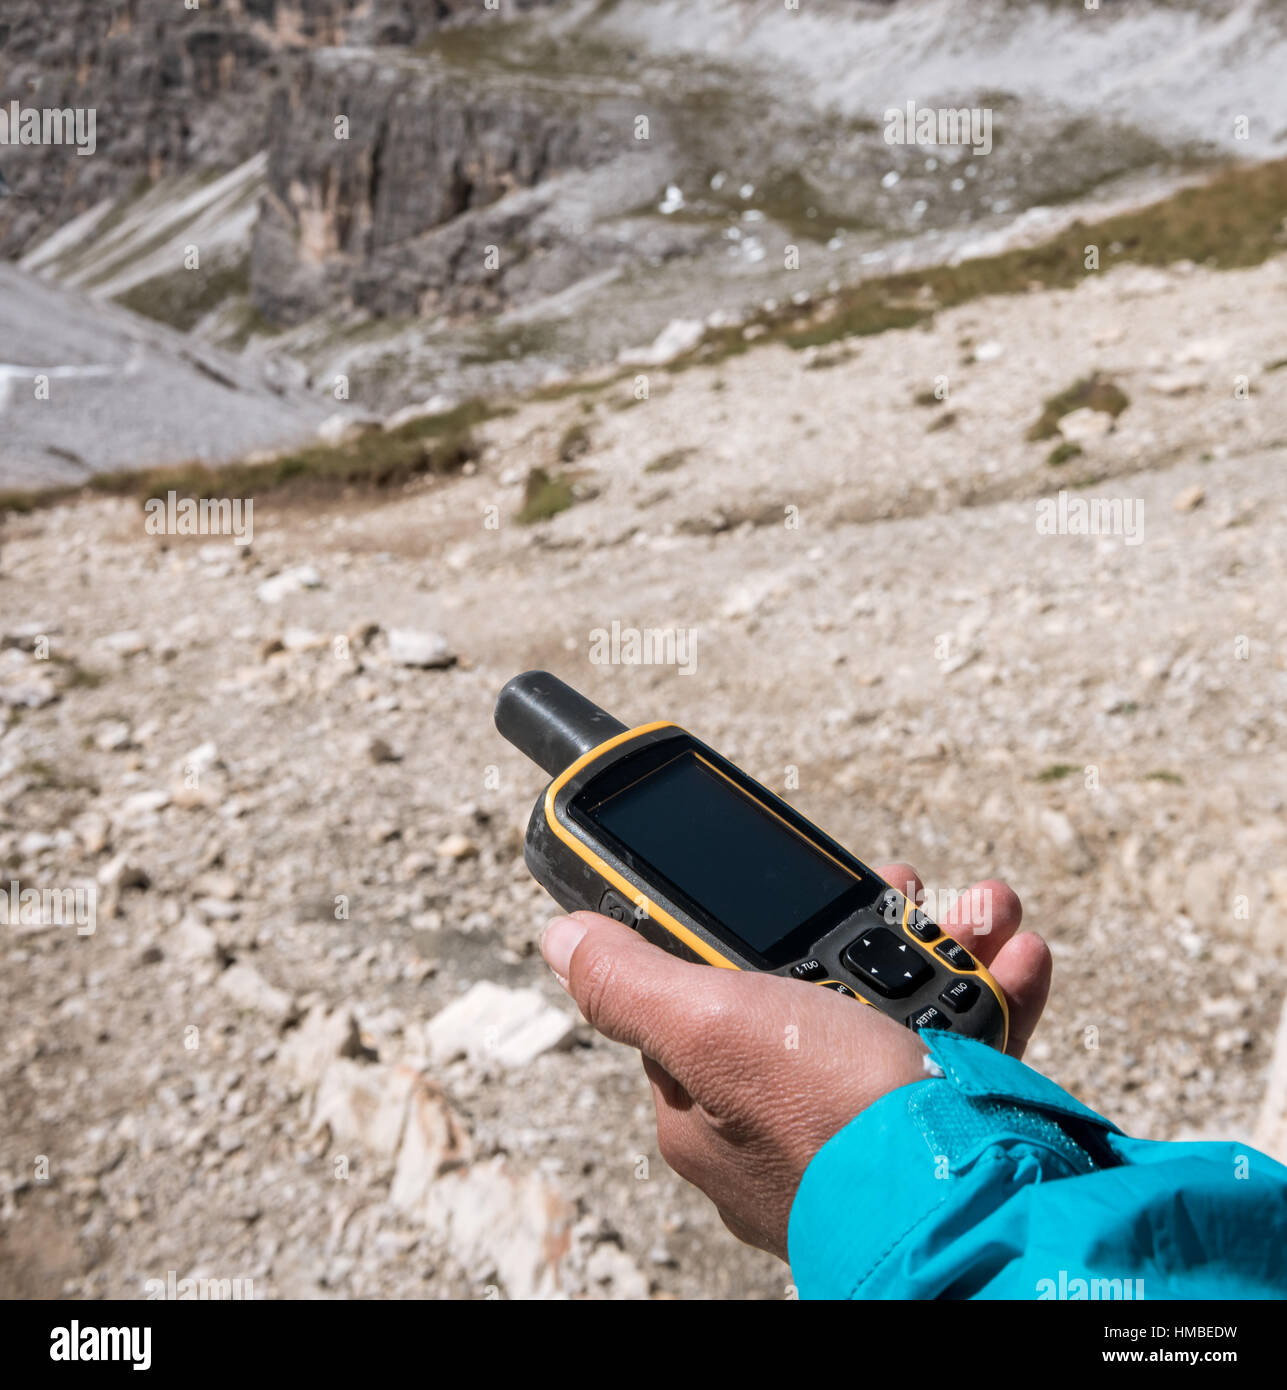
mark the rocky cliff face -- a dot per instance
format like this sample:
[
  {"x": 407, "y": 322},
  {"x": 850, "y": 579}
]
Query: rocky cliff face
[
  {"x": 173, "y": 88},
  {"x": 432, "y": 198},
  {"x": 384, "y": 181}
]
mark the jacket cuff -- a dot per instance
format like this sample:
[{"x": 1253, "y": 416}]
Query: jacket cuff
[{"x": 885, "y": 1199}]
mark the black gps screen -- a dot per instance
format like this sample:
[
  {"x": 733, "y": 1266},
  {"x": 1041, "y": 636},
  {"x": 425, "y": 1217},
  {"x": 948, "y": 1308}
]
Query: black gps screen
[{"x": 740, "y": 862}]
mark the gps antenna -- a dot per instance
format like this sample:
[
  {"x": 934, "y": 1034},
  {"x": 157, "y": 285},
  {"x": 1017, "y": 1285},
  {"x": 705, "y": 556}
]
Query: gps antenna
[{"x": 550, "y": 722}]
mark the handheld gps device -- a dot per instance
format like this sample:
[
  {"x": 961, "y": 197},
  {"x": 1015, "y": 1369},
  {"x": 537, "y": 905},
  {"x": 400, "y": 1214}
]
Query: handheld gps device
[{"x": 652, "y": 827}]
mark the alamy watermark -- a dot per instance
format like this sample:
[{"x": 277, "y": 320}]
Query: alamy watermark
[
  {"x": 943, "y": 125},
  {"x": 173, "y": 515},
  {"x": 1069, "y": 515},
  {"x": 50, "y": 125},
  {"x": 649, "y": 646},
  {"x": 173, "y": 1289},
  {"x": 1077, "y": 1288},
  {"x": 49, "y": 907},
  {"x": 972, "y": 906},
  {"x": 77, "y": 1343}
]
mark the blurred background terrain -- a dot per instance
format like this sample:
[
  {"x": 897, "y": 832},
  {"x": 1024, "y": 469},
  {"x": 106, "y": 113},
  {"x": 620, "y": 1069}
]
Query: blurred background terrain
[{"x": 496, "y": 372}]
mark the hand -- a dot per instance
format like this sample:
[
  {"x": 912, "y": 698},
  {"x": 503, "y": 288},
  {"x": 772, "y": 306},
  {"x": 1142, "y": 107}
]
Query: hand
[{"x": 753, "y": 1073}]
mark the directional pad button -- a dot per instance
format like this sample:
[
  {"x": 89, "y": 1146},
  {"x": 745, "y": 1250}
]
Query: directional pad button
[{"x": 888, "y": 962}]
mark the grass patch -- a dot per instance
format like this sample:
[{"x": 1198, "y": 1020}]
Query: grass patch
[
  {"x": 1124, "y": 707},
  {"x": 545, "y": 495},
  {"x": 927, "y": 398},
  {"x": 79, "y": 677},
  {"x": 46, "y": 777},
  {"x": 1162, "y": 775},
  {"x": 183, "y": 298},
  {"x": 1234, "y": 220},
  {"x": 1094, "y": 392},
  {"x": 669, "y": 461},
  {"x": 943, "y": 422},
  {"x": 1061, "y": 453},
  {"x": 1056, "y": 772},
  {"x": 433, "y": 446}
]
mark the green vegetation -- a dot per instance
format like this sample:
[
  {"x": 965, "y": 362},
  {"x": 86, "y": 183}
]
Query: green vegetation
[
  {"x": 184, "y": 297},
  {"x": 1235, "y": 220},
  {"x": 245, "y": 321},
  {"x": 1061, "y": 453},
  {"x": 942, "y": 422},
  {"x": 545, "y": 496},
  {"x": 927, "y": 398},
  {"x": 46, "y": 777},
  {"x": 79, "y": 677},
  {"x": 669, "y": 461},
  {"x": 1094, "y": 392},
  {"x": 1163, "y": 776},
  {"x": 1056, "y": 772},
  {"x": 433, "y": 446}
]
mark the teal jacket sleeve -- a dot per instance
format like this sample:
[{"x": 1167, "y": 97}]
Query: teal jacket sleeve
[{"x": 988, "y": 1181}]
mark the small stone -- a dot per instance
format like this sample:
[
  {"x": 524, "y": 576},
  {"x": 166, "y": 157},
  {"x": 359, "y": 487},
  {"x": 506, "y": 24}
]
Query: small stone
[
  {"x": 126, "y": 644},
  {"x": 378, "y": 751},
  {"x": 610, "y": 1269},
  {"x": 322, "y": 1037},
  {"x": 92, "y": 829},
  {"x": 143, "y": 805},
  {"x": 426, "y": 650},
  {"x": 303, "y": 639},
  {"x": 1190, "y": 499},
  {"x": 491, "y": 1024},
  {"x": 113, "y": 736},
  {"x": 217, "y": 909},
  {"x": 120, "y": 873},
  {"x": 193, "y": 941},
  {"x": 247, "y": 988},
  {"x": 28, "y": 692},
  {"x": 288, "y": 581},
  {"x": 24, "y": 636},
  {"x": 1085, "y": 426},
  {"x": 457, "y": 846},
  {"x": 215, "y": 884},
  {"x": 201, "y": 759}
]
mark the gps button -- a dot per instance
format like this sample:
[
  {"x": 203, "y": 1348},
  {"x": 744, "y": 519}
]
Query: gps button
[
  {"x": 959, "y": 995},
  {"x": 928, "y": 1017},
  {"x": 888, "y": 963},
  {"x": 956, "y": 955},
  {"x": 615, "y": 906},
  {"x": 808, "y": 970}
]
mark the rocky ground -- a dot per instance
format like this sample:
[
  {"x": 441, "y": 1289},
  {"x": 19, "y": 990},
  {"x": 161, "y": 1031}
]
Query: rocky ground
[{"x": 305, "y": 834}]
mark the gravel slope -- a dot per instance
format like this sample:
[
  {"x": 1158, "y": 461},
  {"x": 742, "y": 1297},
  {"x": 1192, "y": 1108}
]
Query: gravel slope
[{"x": 916, "y": 647}]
